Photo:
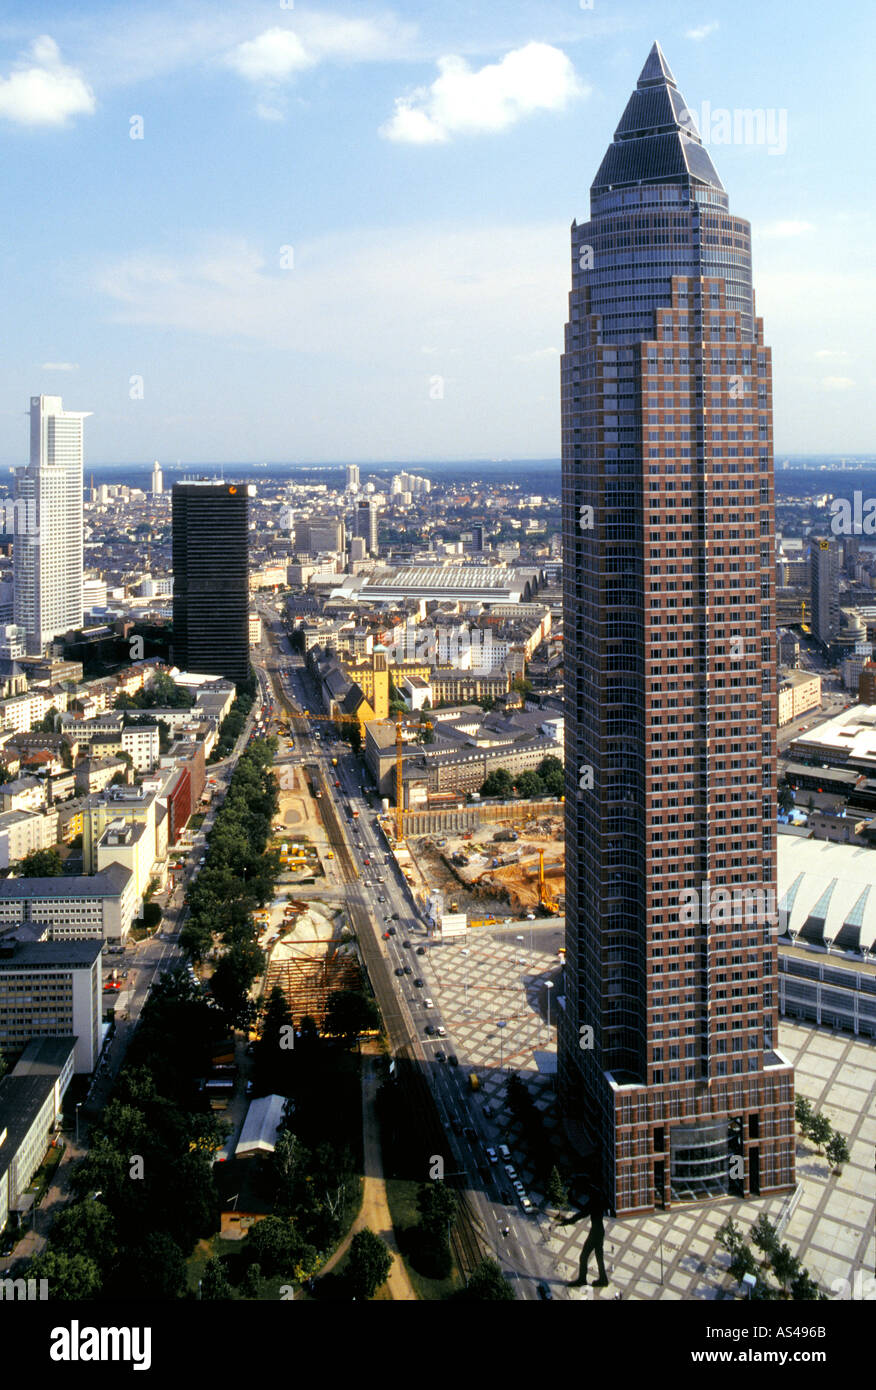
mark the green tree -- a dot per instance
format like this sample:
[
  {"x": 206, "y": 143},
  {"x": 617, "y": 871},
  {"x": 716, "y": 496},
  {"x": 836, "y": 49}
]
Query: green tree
[
  {"x": 557, "y": 1192},
  {"x": 764, "y": 1235},
  {"x": 786, "y": 799},
  {"x": 252, "y": 1281},
  {"x": 804, "y": 1288},
  {"x": 785, "y": 1266},
  {"x": 803, "y": 1113},
  {"x": 70, "y": 1277},
  {"x": 154, "y": 1268},
  {"x": 486, "y": 1284},
  {"x": 529, "y": 784},
  {"x": 214, "y": 1283},
  {"x": 498, "y": 783},
  {"x": 86, "y": 1228},
  {"x": 820, "y": 1131},
  {"x": 437, "y": 1207},
  {"x": 522, "y": 685},
  {"x": 837, "y": 1150},
  {"x": 370, "y": 1263},
  {"x": 40, "y": 863},
  {"x": 349, "y": 1013}
]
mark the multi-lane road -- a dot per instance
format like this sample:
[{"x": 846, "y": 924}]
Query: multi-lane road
[{"x": 380, "y": 902}]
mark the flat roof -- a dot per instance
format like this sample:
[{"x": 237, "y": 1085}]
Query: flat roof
[
  {"x": 107, "y": 884},
  {"x": 48, "y": 955}
]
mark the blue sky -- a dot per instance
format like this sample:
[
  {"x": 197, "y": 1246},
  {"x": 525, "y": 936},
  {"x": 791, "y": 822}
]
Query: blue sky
[{"x": 344, "y": 231}]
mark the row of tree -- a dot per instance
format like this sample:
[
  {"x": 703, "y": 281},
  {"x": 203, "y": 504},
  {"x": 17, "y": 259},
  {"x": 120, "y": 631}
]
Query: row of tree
[
  {"x": 546, "y": 780},
  {"x": 144, "y": 1194},
  {"x": 792, "y": 1280},
  {"x": 233, "y": 724},
  {"x": 238, "y": 876},
  {"x": 818, "y": 1128}
]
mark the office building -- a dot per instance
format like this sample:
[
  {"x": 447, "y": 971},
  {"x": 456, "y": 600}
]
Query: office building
[
  {"x": 211, "y": 578},
  {"x": 50, "y": 989},
  {"x": 668, "y": 1060},
  {"x": 157, "y": 479},
  {"x": 319, "y": 534},
  {"x": 48, "y": 525},
  {"x": 366, "y": 524},
  {"x": 351, "y": 474},
  {"x": 31, "y": 1097},
  {"x": 824, "y": 581},
  {"x": 74, "y": 907}
]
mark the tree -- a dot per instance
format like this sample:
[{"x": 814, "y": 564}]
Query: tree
[
  {"x": 486, "y": 1284},
  {"x": 86, "y": 1228},
  {"x": 214, "y": 1284},
  {"x": 370, "y": 1263},
  {"x": 820, "y": 1131},
  {"x": 69, "y": 1277},
  {"x": 522, "y": 685},
  {"x": 804, "y": 1288},
  {"x": 803, "y": 1113},
  {"x": 785, "y": 1266},
  {"x": 786, "y": 799},
  {"x": 837, "y": 1151},
  {"x": 41, "y": 863},
  {"x": 437, "y": 1208},
  {"x": 557, "y": 1192},
  {"x": 153, "y": 1268},
  {"x": 252, "y": 1281},
  {"x": 764, "y": 1235},
  {"x": 349, "y": 1013},
  {"x": 498, "y": 783},
  {"x": 529, "y": 784}
]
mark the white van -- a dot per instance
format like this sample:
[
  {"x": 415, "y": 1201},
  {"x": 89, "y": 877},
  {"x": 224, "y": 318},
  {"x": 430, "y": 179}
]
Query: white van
[{"x": 427, "y": 1004}]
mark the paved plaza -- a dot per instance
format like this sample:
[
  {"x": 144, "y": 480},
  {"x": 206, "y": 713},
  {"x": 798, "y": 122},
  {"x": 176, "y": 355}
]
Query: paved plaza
[{"x": 488, "y": 978}]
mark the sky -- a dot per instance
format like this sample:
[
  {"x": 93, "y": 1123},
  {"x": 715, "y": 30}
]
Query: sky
[{"x": 287, "y": 231}]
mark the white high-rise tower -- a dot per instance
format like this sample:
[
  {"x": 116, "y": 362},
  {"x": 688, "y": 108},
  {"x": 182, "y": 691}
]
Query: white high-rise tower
[
  {"x": 157, "y": 479},
  {"x": 48, "y": 547}
]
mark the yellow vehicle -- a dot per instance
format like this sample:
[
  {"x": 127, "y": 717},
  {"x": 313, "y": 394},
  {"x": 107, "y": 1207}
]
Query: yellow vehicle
[
  {"x": 329, "y": 854},
  {"x": 474, "y": 1081}
]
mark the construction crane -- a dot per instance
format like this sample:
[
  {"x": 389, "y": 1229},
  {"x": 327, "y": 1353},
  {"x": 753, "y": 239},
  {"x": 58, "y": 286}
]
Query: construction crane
[{"x": 547, "y": 900}]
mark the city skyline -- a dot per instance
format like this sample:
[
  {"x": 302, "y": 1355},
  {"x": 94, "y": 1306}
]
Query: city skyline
[{"x": 436, "y": 149}]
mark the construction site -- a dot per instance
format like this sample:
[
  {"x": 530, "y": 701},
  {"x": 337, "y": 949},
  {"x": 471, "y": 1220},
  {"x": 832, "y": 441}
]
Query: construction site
[{"x": 492, "y": 872}]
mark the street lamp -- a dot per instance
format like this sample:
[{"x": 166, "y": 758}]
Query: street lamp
[
  {"x": 501, "y": 1025},
  {"x": 549, "y": 984},
  {"x": 78, "y": 1108},
  {"x": 465, "y": 983}
]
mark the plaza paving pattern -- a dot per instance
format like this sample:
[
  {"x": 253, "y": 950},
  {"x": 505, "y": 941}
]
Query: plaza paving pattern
[{"x": 671, "y": 1255}]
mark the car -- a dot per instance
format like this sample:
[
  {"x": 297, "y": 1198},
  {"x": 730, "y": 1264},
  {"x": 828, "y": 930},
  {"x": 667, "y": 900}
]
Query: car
[
  {"x": 442, "y": 1031},
  {"x": 392, "y": 931},
  {"x": 453, "y": 1060},
  {"x": 492, "y": 1155},
  {"x": 386, "y": 936},
  {"x": 544, "y": 1291},
  {"x": 429, "y": 1031},
  {"x": 381, "y": 898},
  {"x": 488, "y": 1111},
  {"x": 518, "y": 1187},
  {"x": 421, "y": 950},
  {"x": 418, "y": 983},
  {"x": 470, "y": 1134},
  {"x": 505, "y": 1152},
  {"x": 525, "y": 1203},
  {"x": 427, "y": 1003},
  {"x": 399, "y": 970},
  {"x": 406, "y": 945},
  {"x": 440, "y": 1057},
  {"x": 395, "y": 916},
  {"x": 407, "y": 970},
  {"x": 511, "y": 1171},
  {"x": 366, "y": 861}
]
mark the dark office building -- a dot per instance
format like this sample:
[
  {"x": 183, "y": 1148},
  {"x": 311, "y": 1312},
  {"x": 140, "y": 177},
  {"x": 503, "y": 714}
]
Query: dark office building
[
  {"x": 668, "y": 1054},
  {"x": 211, "y": 578},
  {"x": 366, "y": 524}
]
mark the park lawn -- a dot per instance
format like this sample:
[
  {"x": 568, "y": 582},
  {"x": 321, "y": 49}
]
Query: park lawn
[{"x": 401, "y": 1194}]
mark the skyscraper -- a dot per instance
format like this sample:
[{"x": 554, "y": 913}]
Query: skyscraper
[
  {"x": 824, "y": 584},
  {"x": 366, "y": 524},
  {"x": 211, "y": 578},
  {"x": 668, "y": 1053},
  {"x": 48, "y": 541},
  {"x": 352, "y": 476},
  {"x": 157, "y": 479}
]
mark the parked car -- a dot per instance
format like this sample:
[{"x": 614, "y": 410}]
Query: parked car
[
  {"x": 421, "y": 950},
  {"x": 418, "y": 983},
  {"x": 453, "y": 1060},
  {"x": 492, "y": 1155}
]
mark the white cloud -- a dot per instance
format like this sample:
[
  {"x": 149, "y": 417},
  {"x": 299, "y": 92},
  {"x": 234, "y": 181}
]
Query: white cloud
[
  {"x": 42, "y": 90},
  {"x": 59, "y": 366},
  {"x": 702, "y": 32},
  {"x": 274, "y": 56},
  {"x": 778, "y": 230},
  {"x": 462, "y": 100},
  {"x": 836, "y": 383},
  {"x": 538, "y": 355}
]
